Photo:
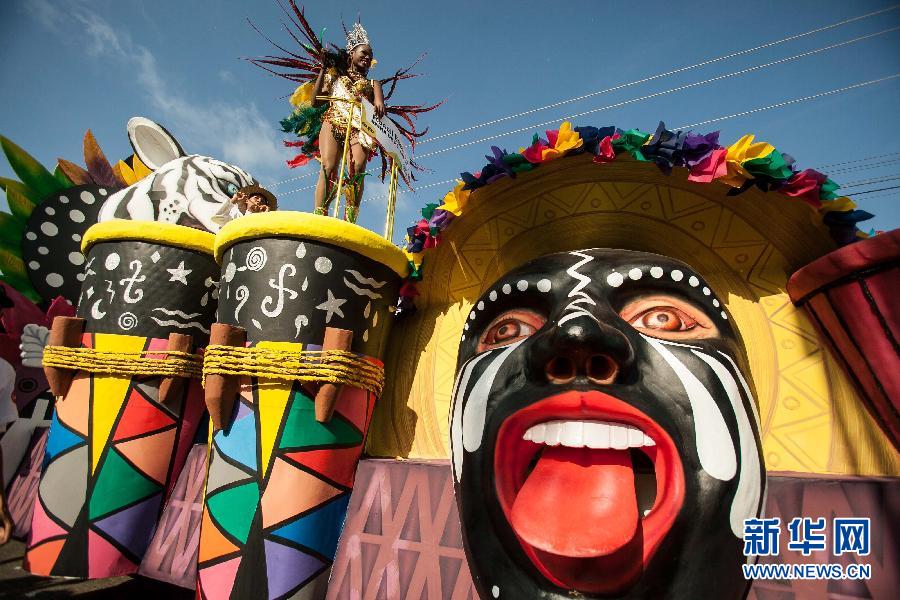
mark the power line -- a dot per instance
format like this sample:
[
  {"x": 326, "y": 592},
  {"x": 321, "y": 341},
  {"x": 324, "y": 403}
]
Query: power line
[
  {"x": 870, "y": 181},
  {"x": 661, "y": 93},
  {"x": 865, "y": 166},
  {"x": 304, "y": 176},
  {"x": 850, "y": 162},
  {"x": 893, "y": 187},
  {"x": 661, "y": 75},
  {"x": 789, "y": 102}
]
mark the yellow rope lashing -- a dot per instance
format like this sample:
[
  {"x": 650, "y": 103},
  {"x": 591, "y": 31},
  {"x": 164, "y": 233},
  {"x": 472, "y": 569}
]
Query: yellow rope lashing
[
  {"x": 331, "y": 366},
  {"x": 144, "y": 363}
]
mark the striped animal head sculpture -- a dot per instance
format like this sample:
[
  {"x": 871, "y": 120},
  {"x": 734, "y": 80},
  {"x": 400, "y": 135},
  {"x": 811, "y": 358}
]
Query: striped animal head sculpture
[
  {"x": 183, "y": 189},
  {"x": 604, "y": 438}
]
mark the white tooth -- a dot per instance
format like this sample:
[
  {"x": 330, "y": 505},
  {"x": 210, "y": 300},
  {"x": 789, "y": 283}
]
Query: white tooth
[
  {"x": 596, "y": 435},
  {"x": 527, "y": 435},
  {"x": 646, "y": 512},
  {"x": 551, "y": 435},
  {"x": 571, "y": 434},
  {"x": 618, "y": 436},
  {"x": 648, "y": 441},
  {"x": 537, "y": 433},
  {"x": 635, "y": 438}
]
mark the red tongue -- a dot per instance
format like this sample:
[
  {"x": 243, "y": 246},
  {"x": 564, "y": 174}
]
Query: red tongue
[{"x": 577, "y": 502}]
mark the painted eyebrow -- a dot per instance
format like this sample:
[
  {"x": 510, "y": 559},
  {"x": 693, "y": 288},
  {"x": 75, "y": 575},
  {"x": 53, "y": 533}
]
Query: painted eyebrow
[{"x": 679, "y": 275}]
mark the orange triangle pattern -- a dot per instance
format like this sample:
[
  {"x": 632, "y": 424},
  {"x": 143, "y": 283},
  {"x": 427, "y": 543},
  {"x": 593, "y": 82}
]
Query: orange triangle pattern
[
  {"x": 337, "y": 464},
  {"x": 304, "y": 490},
  {"x": 212, "y": 543},
  {"x": 73, "y": 409},
  {"x": 40, "y": 559},
  {"x": 141, "y": 416},
  {"x": 151, "y": 454}
]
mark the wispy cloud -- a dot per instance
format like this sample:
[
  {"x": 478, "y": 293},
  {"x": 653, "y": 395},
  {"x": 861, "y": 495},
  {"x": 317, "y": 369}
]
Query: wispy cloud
[{"x": 235, "y": 133}]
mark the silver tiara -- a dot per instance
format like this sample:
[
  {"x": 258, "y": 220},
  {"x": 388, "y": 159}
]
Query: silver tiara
[{"x": 356, "y": 37}]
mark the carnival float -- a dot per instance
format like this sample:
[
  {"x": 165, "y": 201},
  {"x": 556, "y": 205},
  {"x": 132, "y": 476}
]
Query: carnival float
[{"x": 592, "y": 360}]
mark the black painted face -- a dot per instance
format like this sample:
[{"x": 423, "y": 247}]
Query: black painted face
[{"x": 604, "y": 440}]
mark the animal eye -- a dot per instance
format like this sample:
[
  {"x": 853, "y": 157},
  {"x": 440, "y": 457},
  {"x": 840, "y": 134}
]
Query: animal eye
[
  {"x": 509, "y": 327},
  {"x": 230, "y": 188},
  {"x": 668, "y": 317}
]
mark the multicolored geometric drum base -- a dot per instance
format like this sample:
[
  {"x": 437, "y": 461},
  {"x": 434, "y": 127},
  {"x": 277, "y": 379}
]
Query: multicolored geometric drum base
[
  {"x": 112, "y": 456},
  {"x": 277, "y": 492}
]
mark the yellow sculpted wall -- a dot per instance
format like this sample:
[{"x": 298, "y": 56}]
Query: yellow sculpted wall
[{"x": 746, "y": 246}]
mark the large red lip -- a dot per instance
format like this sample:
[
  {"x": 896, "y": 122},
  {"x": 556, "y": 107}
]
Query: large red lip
[{"x": 573, "y": 561}]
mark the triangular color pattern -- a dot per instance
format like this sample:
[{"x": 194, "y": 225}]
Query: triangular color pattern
[
  {"x": 287, "y": 567},
  {"x": 118, "y": 485},
  {"x": 151, "y": 454},
  {"x": 337, "y": 464},
  {"x": 216, "y": 581},
  {"x": 141, "y": 416},
  {"x": 320, "y": 529}
]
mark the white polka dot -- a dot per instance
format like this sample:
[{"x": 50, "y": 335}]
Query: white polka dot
[
  {"x": 63, "y": 200},
  {"x": 323, "y": 264},
  {"x": 43, "y": 250},
  {"x": 656, "y": 272},
  {"x": 76, "y": 258},
  {"x": 54, "y": 280},
  {"x": 80, "y": 277},
  {"x": 230, "y": 270},
  {"x": 462, "y": 339},
  {"x": 34, "y": 265},
  {"x": 49, "y": 228},
  {"x": 615, "y": 279},
  {"x": 50, "y": 210},
  {"x": 466, "y": 327},
  {"x": 677, "y": 275},
  {"x": 472, "y": 315},
  {"x": 544, "y": 285},
  {"x": 112, "y": 261},
  {"x": 87, "y": 197},
  {"x": 635, "y": 274},
  {"x": 693, "y": 281},
  {"x": 715, "y": 303},
  {"x": 301, "y": 250},
  {"x": 495, "y": 592},
  {"x": 724, "y": 316},
  {"x": 76, "y": 215},
  {"x": 480, "y": 305},
  {"x": 76, "y": 237},
  {"x": 522, "y": 285},
  {"x": 30, "y": 236},
  {"x": 706, "y": 291},
  {"x": 507, "y": 289},
  {"x": 102, "y": 191},
  {"x": 493, "y": 295}
]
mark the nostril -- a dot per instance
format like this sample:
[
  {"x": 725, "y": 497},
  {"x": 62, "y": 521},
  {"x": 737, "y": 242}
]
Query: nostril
[
  {"x": 601, "y": 369},
  {"x": 560, "y": 370}
]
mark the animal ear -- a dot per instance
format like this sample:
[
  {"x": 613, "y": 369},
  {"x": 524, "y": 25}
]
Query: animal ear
[{"x": 152, "y": 143}]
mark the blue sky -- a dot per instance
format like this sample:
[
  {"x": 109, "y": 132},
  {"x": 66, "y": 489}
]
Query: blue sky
[{"x": 69, "y": 66}]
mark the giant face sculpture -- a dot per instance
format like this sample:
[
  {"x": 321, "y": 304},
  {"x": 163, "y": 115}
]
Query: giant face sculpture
[{"x": 604, "y": 440}]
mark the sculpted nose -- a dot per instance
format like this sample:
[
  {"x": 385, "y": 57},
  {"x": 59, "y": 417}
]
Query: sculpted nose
[{"x": 582, "y": 347}]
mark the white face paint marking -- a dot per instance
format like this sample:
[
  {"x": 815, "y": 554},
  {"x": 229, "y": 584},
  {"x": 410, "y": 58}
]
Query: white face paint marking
[
  {"x": 746, "y": 497},
  {"x": 635, "y": 274},
  {"x": 693, "y": 281},
  {"x": 544, "y": 285},
  {"x": 456, "y": 422},
  {"x": 656, "y": 272},
  {"x": 493, "y": 295},
  {"x": 715, "y": 448},
  {"x": 677, "y": 275},
  {"x": 476, "y": 407},
  {"x": 615, "y": 279},
  {"x": 522, "y": 285},
  {"x": 507, "y": 289}
]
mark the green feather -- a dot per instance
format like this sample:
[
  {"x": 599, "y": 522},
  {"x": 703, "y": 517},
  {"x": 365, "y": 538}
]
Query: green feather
[
  {"x": 12, "y": 184},
  {"x": 62, "y": 178},
  {"x": 24, "y": 287},
  {"x": 11, "y": 228},
  {"x": 11, "y": 265},
  {"x": 30, "y": 171},
  {"x": 19, "y": 205}
]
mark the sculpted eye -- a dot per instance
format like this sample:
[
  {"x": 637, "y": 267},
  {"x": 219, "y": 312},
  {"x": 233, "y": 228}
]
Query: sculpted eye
[
  {"x": 664, "y": 318},
  {"x": 230, "y": 188},
  {"x": 509, "y": 327},
  {"x": 668, "y": 317}
]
